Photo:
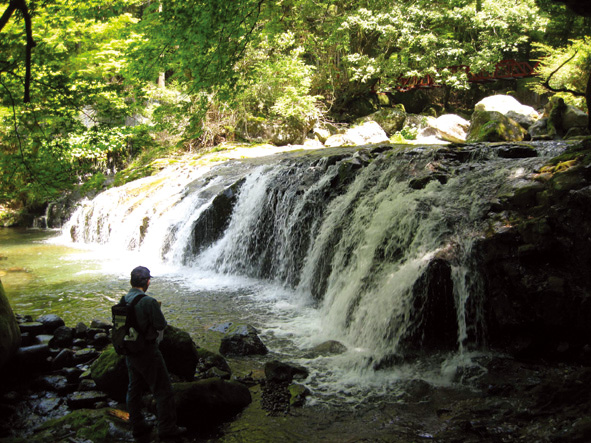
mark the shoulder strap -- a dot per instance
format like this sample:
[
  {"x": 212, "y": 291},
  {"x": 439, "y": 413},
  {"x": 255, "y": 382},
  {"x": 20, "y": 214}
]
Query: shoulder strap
[{"x": 137, "y": 299}]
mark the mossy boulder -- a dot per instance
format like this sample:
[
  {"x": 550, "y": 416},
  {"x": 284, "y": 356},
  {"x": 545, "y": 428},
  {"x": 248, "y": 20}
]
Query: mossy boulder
[
  {"x": 510, "y": 107},
  {"x": 109, "y": 372},
  {"x": 179, "y": 352},
  {"x": 492, "y": 126},
  {"x": 10, "y": 335},
  {"x": 208, "y": 403},
  {"x": 390, "y": 119}
]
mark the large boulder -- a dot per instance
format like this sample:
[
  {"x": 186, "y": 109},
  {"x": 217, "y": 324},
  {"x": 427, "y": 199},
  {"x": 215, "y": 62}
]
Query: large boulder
[
  {"x": 205, "y": 404},
  {"x": 451, "y": 128},
  {"x": 574, "y": 118},
  {"x": 179, "y": 352},
  {"x": 367, "y": 133},
  {"x": 391, "y": 120},
  {"x": 510, "y": 107},
  {"x": 109, "y": 372},
  {"x": 492, "y": 126},
  {"x": 10, "y": 335},
  {"x": 281, "y": 372}
]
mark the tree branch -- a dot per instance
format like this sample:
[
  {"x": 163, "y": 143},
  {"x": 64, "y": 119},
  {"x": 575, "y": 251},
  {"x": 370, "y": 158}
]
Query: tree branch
[
  {"x": 21, "y": 5},
  {"x": 546, "y": 83}
]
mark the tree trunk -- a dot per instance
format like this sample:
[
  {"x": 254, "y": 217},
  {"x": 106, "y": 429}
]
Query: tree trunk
[{"x": 588, "y": 99}]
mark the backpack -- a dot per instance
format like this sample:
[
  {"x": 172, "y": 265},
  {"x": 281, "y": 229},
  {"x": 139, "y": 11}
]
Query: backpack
[{"x": 125, "y": 336}]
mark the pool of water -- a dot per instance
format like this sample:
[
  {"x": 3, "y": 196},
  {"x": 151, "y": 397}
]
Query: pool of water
[{"x": 43, "y": 275}]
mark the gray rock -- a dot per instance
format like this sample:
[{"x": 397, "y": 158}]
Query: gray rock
[
  {"x": 63, "y": 337},
  {"x": 452, "y": 128},
  {"x": 80, "y": 330},
  {"x": 56, "y": 383},
  {"x": 34, "y": 328},
  {"x": 85, "y": 399},
  {"x": 63, "y": 359},
  {"x": 367, "y": 133},
  {"x": 279, "y": 372},
  {"x": 330, "y": 347},
  {"x": 242, "y": 340},
  {"x": 574, "y": 118},
  {"x": 98, "y": 323},
  {"x": 51, "y": 322},
  {"x": 33, "y": 358},
  {"x": 510, "y": 107}
]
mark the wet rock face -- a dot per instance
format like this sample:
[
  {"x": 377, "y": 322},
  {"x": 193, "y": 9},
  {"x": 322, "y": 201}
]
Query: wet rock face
[
  {"x": 536, "y": 269},
  {"x": 10, "y": 335},
  {"x": 435, "y": 326},
  {"x": 210, "y": 226}
]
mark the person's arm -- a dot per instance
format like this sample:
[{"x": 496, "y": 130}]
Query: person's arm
[{"x": 157, "y": 317}]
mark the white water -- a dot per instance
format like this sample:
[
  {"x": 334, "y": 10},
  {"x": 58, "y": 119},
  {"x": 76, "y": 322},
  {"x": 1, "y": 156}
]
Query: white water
[{"x": 340, "y": 268}]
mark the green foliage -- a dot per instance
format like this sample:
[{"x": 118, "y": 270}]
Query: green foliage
[
  {"x": 571, "y": 76},
  {"x": 96, "y": 64},
  {"x": 416, "y": 38},
  {"x": 276, "y": 83}
]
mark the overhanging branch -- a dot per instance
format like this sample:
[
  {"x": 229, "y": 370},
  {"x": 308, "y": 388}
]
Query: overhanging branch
[
  {"x": 21, "y": 5},
  {"x": 546, "y": 83}
]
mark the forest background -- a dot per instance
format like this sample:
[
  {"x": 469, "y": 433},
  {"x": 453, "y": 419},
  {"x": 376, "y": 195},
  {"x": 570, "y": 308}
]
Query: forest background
[{"x": 92, "y": 92}]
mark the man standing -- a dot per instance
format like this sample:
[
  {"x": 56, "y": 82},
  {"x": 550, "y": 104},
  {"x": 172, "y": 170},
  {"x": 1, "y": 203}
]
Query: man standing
[{"x": 148, "y": 366}]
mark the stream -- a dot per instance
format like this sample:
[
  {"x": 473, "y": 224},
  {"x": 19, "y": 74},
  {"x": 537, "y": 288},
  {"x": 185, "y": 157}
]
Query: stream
[{"x": 317, "y": 246}]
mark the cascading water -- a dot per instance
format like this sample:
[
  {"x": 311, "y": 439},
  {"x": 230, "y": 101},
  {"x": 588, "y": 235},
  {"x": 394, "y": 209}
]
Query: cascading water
[{"x": 368, "y": 237}]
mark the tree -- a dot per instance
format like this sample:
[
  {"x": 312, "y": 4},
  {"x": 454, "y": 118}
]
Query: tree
[
  {"x": 580, "y": 8},
  {"x": 70, "y": 126},
  {"x": 21, "y": 6}
]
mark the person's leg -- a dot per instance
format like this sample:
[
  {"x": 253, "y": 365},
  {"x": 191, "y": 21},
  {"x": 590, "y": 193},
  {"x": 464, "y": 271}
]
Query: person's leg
[
  {"x": 163, "y": 393},
  {"x": 134, "y": 399},
  {"x": 153, "y": 369}
]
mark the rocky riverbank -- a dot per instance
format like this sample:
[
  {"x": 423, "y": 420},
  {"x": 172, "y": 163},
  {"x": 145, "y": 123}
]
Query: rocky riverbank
[{"x": 67, "y": 385}]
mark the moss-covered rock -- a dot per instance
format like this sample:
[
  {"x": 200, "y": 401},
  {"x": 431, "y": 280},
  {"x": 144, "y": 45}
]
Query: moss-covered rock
[
  {"x": 109, "y": 372},
  {"x": 179, "y": 352},
  {"x": 210, "y": 361},
  {"x": 10, "y": 336},
  {"x": 390, "y": 119},
  {"x": 492, "y": 126},
  {"x": 298, "y": 394},
  {"x": 97, "y": 426}
]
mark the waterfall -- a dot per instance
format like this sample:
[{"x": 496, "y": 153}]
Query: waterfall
[{"x": 379, "y": 240}]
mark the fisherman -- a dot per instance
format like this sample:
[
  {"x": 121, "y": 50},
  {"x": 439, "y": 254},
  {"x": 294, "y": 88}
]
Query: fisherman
[{"x": 147, "y": 367}]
